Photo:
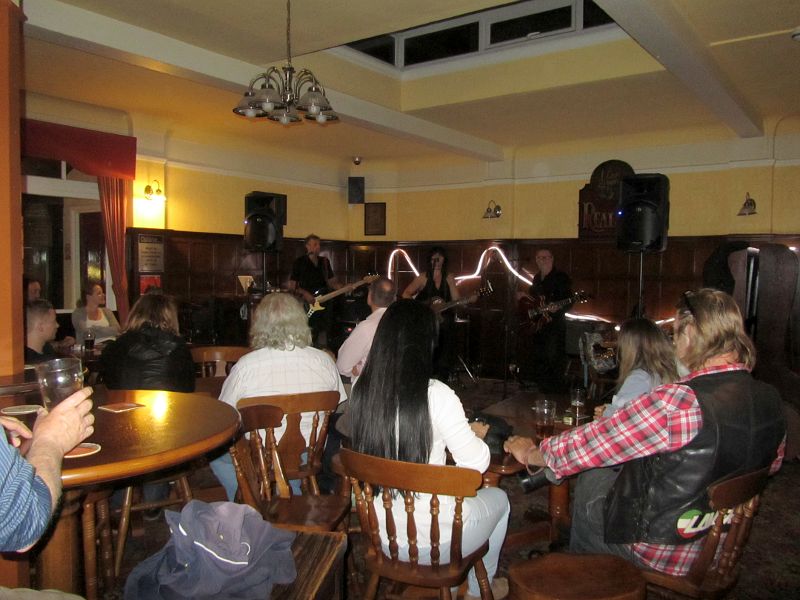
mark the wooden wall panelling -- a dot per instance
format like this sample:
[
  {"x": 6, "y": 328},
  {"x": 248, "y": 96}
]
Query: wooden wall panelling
[
  {"x": 176, "y": 278},
  {"x": 201, "y": 269},
  {"x": 226, "y": 259}
]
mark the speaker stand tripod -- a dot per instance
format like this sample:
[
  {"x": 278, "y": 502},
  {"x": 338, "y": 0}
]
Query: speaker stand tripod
[{"x": 640, "y": 303}]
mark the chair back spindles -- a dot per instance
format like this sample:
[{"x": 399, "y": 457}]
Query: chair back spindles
[
  {"x": 404, "y": 482},
  {"x": 715, "y": 569},
  {"x": 259, "y": 468},
  {"x": 292, "y": 444}
]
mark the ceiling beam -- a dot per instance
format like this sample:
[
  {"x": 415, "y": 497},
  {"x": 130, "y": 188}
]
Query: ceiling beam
[
  {"x": 658, "y": 28},
  {"x": 67, "y": 25}
]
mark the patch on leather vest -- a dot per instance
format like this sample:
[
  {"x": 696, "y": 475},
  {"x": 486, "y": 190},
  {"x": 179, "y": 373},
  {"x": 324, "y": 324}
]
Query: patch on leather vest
[{"x": 694, "y": 522}]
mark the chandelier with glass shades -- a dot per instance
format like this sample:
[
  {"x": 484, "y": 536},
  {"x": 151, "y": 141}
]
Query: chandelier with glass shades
[{"x": 283, "y": 92}]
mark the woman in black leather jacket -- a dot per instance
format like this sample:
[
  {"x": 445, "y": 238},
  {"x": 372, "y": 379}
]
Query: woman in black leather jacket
[{"x": 149, "y": 355}]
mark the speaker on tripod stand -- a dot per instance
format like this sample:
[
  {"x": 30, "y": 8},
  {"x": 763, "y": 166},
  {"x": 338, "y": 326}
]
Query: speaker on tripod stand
[{"x": 643, "y": 220}]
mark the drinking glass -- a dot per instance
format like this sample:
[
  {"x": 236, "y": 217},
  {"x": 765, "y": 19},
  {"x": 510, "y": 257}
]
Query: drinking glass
[
  {"x": 544, "y": 417},
  {"x": 59, "y": 379}
]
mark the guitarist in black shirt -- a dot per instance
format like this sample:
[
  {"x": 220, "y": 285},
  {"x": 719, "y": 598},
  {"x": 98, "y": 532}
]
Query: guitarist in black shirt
[
  {"x": 312, "y": 274},
  {"x": 542, "y": 340}
]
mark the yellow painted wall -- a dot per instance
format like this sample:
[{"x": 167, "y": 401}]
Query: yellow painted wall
[
  {"x": 786, "y": 204},
  {"x": 208, "y": 202},
  {"x": 702, "y": 203}
]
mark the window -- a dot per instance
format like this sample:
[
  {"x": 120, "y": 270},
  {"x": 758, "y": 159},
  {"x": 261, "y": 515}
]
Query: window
[
  {"x": 444, "y": 43},
  {"x": 520, "y": 28},
  {"x": 511, "y": 24},
  {"x": 381, "y": 48}
]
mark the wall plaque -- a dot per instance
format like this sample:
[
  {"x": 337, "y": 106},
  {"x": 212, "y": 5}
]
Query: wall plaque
[
  {"x": 150, "y": 253},
  {"x": 375, "y": 218}
]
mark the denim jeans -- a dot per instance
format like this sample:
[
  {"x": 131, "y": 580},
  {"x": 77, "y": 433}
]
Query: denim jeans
[
  {"x": 588, "y": 515},
  {"x": 226, "y": 474}
]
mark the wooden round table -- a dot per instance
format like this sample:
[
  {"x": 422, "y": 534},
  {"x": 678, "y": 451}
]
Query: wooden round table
[{"x": 169, "y": 428}]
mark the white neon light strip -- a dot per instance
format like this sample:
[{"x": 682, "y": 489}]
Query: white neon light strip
[
  {"x": 477, "y": 272},
  {"x": 408, "y": 260}
]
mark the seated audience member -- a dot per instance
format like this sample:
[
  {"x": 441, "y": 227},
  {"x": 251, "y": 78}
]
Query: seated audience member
[
  {"x": 353, "y": 353},
  {"x": 31, "y": 485},
  {"x": 671, "y": 443},
  {"x": 646, "y": 361},
  {"x": 150, "y": 354},
  {"x": 282, "y": 362},
  {"x": 93, "y": 314},
  {"x": 32, "y": 288},
  {"x": 41, "y": 327},
  {"x": 400, "y": 412}
]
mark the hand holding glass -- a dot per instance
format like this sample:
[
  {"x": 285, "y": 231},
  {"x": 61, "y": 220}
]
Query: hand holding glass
[{"x": 59, "y": 379}]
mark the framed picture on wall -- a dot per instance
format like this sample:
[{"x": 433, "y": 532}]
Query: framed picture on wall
[{"x": 375, "y": 218}]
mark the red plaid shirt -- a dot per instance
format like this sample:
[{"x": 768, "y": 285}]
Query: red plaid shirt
[{"x": 664, "y": 420}]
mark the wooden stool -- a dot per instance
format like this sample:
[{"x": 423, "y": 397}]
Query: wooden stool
[{"x": 576, "y": 577}]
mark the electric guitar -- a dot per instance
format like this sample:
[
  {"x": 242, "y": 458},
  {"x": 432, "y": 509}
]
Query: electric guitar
[
  {"x": 439, "y": 306},
  {"x": 319, "y": 300},
  {"x": 535, "y": 313}
]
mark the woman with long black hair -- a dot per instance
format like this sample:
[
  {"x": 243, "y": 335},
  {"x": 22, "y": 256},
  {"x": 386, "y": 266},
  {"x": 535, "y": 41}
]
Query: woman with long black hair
[{"x": 398, "y": 411}]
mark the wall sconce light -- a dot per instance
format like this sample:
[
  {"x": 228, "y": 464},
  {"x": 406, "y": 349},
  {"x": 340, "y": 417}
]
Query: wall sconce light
[
  {"x": 493, "y": 211},
  {"x": 748, "y": 208},
  {"x": 154, "y": 195}
]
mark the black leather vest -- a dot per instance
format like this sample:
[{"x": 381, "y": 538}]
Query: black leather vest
[{"x": 662, "y": 498}]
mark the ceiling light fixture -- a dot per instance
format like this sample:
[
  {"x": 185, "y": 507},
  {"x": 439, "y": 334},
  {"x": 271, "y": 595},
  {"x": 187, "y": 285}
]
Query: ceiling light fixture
[
  {"x": 493, "y": 211},
  {"x": 153, "y": 195},
  {"x": 284, "y": 92},
  {"x": 748, "y": 208}
]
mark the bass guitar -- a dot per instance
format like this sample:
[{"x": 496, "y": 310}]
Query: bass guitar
[
  {"x": 439, "y": 306},
  {"x": 319, "y": 300},
  {"x": 535, "y": 313}
]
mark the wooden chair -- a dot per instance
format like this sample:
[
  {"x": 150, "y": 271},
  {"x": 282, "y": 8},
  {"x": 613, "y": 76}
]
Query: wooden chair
[
  {"x": 301, "y": 459},
  {"x": 96, "y": 531},
  {"x": 259, "y": 466},
  {"x": 736, "y": 500},
  {"x": 180, "y": 495},
  {"x": 216, "y": 361},
  {"x": 408, "y": 479}
]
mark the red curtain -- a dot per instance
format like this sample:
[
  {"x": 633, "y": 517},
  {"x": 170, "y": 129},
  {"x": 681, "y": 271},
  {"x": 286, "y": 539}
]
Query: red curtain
[
  {"x": 114, "y": 197},
  {"x": 93, "y": 152},
  {"x": 110, "y": 157}
]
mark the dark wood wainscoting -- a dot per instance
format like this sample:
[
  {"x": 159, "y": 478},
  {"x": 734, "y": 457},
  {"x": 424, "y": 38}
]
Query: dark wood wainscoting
[{"x": 201, "y": 270}]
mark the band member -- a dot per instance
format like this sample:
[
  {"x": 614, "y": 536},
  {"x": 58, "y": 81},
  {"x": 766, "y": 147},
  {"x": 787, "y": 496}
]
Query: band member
[
  {"x": 437, "y": 285},
  {"x": 543, "y": 350},
  {"x": 311, "y": 275}
]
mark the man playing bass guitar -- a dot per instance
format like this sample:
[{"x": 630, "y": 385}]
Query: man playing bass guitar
[{"x": 542, "y": 343}]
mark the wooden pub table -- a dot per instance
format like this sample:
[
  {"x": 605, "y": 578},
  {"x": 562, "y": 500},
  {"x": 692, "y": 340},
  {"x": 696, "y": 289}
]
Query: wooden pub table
[
  {"x": 518, "y": 411},
  {"x": 168, "y": 429}
]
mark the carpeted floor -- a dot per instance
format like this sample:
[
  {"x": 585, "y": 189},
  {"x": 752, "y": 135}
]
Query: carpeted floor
[{"x": 770, "y": 564}]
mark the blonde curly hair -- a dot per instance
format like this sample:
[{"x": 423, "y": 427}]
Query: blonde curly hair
[{"x": 279, "y": 322}]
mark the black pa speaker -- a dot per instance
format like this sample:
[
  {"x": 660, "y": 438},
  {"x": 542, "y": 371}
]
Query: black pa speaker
[
  {"x": 255, "y": 201},
  {"x": 355, "y": 190},
  {"x": 262, "y": 231},
  {"x": 643, "y": 213}
]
